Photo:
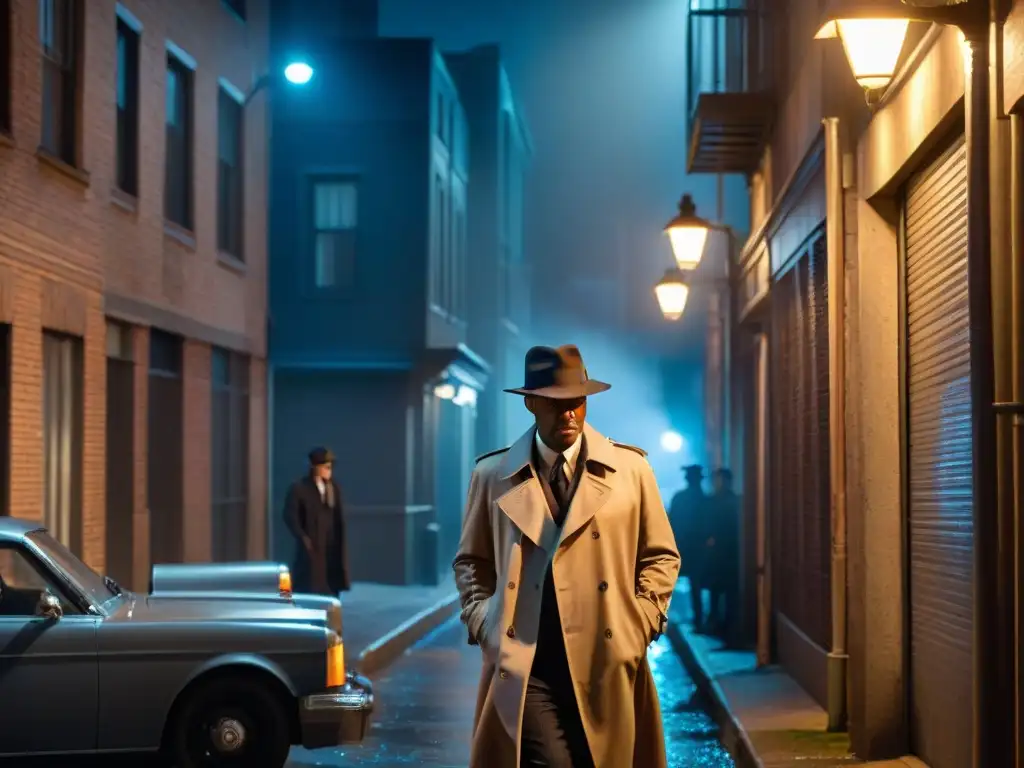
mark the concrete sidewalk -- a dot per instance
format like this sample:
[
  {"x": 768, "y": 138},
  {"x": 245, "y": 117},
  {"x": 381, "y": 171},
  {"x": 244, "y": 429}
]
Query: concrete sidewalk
[
  {"x": 382, "y": 621},
  {"x": 766, "y": 719}
]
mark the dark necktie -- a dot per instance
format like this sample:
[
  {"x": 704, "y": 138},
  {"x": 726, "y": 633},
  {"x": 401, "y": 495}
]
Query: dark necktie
[{"x": 559, "y": 486}]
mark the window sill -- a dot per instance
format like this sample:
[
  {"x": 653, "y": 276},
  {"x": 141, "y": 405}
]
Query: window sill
[
  {"x": 124, "y": 200},
  {"x": 180, "y": 235},
  {"x": 78, "y": 174},
  {"x": 232, "y": 263}
]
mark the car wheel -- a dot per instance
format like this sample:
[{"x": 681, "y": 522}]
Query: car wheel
[{"x": 231, "y": 722}]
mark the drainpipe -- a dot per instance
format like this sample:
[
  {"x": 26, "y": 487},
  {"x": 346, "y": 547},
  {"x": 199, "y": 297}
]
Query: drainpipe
[{"x": 835, "y": 244}]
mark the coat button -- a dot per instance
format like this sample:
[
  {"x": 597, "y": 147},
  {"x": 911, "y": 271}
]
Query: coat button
[
  {"x": 511, "y": 585},
  {"x": 503, "y": 674},
  {"x": 595, "y": 535},
  {"x": 608, "y": 634},
  {"x": 511, "y": 631},
  {"x": 603, "y": 586}
]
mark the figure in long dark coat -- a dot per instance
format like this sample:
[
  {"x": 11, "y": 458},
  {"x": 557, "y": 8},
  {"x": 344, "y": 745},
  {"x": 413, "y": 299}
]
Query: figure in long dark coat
[
  {"x": 688, "y": 516},
  {"x": 315, "y": 515},
  {"x": 723, "y": 551}
]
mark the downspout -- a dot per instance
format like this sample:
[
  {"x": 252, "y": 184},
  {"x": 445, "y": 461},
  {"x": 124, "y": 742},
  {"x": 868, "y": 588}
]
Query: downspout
[{"x": 835, "y": 245}]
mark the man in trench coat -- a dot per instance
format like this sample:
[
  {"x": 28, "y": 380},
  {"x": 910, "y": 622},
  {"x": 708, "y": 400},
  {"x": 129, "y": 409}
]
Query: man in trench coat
[
  {"x": 565, "y": 570},
  {"x": 315, "y": 516}
]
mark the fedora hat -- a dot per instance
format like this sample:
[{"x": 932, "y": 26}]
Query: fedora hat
[
  {"x": 321, "y": 455},
  {"x": 557, "y": 374},
  {"x": 693, "y": 469}
]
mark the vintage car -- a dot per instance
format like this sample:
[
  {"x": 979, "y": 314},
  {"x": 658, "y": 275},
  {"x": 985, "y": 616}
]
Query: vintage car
[{"x": 220, "y": 665}]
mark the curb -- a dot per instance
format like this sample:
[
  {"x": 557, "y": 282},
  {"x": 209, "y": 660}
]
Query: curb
[
  {"x": 733, "y": 735},
  {"x": 385, "y": 650}
]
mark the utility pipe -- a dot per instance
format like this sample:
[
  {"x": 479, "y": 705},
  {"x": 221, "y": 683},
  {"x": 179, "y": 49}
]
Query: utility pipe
[{"x": 835, "y": 245}]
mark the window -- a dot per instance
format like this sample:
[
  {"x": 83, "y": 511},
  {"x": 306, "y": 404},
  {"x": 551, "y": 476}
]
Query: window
[
  {"x": 238, "y": 6},
  {"x": 62, "y": 438},
  {"x": 5, "y": 66},
  {"x": 229, "y": 174},
  {"x": 59, "y": 36},
  {"x": 230, "y": 455},
  {"x": 437, "y": 263},
  {"x": 23, "y": 580},
  {"x": 335, "y": 219},
  {"x": 178, "y": 155},
  {"x": 127, "y": 108}
]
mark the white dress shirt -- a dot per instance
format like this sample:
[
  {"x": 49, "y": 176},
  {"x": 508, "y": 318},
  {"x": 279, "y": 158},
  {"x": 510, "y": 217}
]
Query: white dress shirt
[
  {"x": 322, "y": 487},
  {"x": 548, "y": 456}
]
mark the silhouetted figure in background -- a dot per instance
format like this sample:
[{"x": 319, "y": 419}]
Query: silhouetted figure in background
[
  {"x": 722, "y": 553},
  {"x": 313, "y": 513},
  {"x": 688, "y": 514}
]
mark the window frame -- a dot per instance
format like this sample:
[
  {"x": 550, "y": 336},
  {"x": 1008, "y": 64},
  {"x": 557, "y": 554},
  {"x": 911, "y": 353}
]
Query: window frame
[
  {"x": 65, "y": 143},
  {"x": 73, "y": 602},
  {"x": 231, "y": 234},
  {"x": 126, "y": 146},
  {"x": 184, "y": 66},
  {"x": 351, "y": 273}
]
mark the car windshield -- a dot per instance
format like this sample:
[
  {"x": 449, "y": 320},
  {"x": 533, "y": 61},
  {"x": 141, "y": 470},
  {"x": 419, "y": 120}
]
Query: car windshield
[{"x": 98, "y": 588}]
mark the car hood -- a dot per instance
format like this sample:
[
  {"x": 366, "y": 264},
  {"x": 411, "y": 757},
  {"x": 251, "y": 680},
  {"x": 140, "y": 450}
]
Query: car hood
[{"x": 140, "y": 608}]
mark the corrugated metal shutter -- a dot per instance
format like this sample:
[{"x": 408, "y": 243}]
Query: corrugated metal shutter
[
  {"x": 800, "y": 460},
  {"x": 939, "y": 462}
]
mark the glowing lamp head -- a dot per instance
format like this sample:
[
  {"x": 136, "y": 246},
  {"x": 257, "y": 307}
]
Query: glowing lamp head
[
  {"x": 688, "y": 233},
  {"x": 445, "y": 391},
  {"x": 671, "y": 442},
  {"x": 298, "y": 73},
  {"x": 671, "y": 292},
  {"x": 872, "y": 47}
]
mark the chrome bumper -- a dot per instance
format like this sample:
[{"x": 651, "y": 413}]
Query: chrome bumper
[{"x": 339, "y": 716}]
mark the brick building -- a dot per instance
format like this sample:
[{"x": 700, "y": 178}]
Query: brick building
[{"x": 133, "y": 277}]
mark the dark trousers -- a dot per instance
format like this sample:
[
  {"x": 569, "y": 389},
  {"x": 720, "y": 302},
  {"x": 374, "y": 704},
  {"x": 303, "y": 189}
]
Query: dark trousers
[
  {"x": 697, "y": 600},
  {"x": 553, "y": 735}
]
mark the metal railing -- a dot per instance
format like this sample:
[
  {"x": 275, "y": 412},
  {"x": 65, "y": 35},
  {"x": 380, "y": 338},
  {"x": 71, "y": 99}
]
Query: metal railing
[{"x": 727, "y": 51}]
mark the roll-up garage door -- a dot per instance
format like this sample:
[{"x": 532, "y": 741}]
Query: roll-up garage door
[{"x": 941, "y": 535}]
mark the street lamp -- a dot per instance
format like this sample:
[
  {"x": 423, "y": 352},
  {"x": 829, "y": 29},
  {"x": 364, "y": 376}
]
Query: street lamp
[
  {"x": 688, "y": 234},
  {"x": 872, "y": 47},
  {"x": 671, "y": 292},
  {"x": 296, "y": 73}
]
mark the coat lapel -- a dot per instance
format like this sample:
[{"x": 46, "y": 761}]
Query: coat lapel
[
  {"x": 593, "y": 491},
  {"x": 524, "y": 502}
]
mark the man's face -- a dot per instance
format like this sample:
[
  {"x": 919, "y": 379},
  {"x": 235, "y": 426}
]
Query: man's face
[
  {"x": 559, "y": 422},
  {"x": 323, "y": 471}
]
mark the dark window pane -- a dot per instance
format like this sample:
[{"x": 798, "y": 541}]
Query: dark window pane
[
  {"x": 230, "y": 454},
  {"x": 59, "y": 32},
  {"x": 165, "y": 352},
  {"x": 178, "y": 155},
  {"x": 229, "y": 175},
  {"x": 335, "y": 222},
  {"x": 127, "y": 108}
]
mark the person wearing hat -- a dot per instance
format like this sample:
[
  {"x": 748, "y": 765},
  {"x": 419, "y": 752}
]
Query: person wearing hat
[
  {"x": 723, "y": 545},
  {"x": 565, "y": 569},
  {"x": 688, "y": 514},
  {"x": 315, "y": 516}
]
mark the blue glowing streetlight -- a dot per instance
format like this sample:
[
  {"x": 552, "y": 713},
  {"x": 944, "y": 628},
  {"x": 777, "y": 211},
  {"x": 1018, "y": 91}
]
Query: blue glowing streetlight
[{"x": 298, "y": 73}]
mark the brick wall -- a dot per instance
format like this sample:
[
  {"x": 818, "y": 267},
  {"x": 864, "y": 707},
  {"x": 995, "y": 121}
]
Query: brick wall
[
  {"x": 197, "y": 395},
  {"x": 69, "y": 242}
]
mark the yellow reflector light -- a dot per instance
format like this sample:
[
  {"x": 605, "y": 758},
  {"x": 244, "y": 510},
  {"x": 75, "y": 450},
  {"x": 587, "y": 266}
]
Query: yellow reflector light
[
  {"x": 284, "y": 583},
  {"x": 336, "y": 666}
]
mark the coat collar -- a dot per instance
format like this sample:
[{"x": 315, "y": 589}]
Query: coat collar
[{"x": 524, "y": 504}]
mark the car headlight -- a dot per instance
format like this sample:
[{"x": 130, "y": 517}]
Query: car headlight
[{"x": 335, "y": 661}]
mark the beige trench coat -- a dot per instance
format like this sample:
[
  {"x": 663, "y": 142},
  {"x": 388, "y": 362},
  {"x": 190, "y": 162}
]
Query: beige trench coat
[{"x": 615, "y": 565}]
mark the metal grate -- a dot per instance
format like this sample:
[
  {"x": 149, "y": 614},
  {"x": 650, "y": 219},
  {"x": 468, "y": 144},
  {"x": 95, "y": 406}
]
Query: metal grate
[{"x": 801, "y": 491}]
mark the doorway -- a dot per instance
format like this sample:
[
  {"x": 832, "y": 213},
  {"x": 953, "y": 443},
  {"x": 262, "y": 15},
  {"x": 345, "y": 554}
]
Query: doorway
[
  {"x": 165, "y": 446},
  {"x": 120, "y": 526},
  {"x": 62, "y": 438}
]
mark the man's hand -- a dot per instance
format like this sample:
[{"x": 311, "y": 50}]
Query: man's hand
[{"x": 474, "y": 567}]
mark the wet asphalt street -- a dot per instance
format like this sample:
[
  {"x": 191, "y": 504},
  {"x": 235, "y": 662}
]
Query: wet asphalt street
[{"x": 426, "y": 700}]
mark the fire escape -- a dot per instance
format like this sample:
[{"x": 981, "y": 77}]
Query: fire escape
[{"x": 729, "y": 106}]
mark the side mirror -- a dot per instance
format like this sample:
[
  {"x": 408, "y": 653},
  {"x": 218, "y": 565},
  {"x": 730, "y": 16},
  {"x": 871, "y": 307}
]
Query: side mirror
[{"x": 49, "y": 606}]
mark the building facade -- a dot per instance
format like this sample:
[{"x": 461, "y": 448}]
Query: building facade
[
  {"x": 132, "y": 270},
  {"x": 369, "y": 344},
  {"x": 497, "y": 263},
  {"x": 877, "y": 323}
]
